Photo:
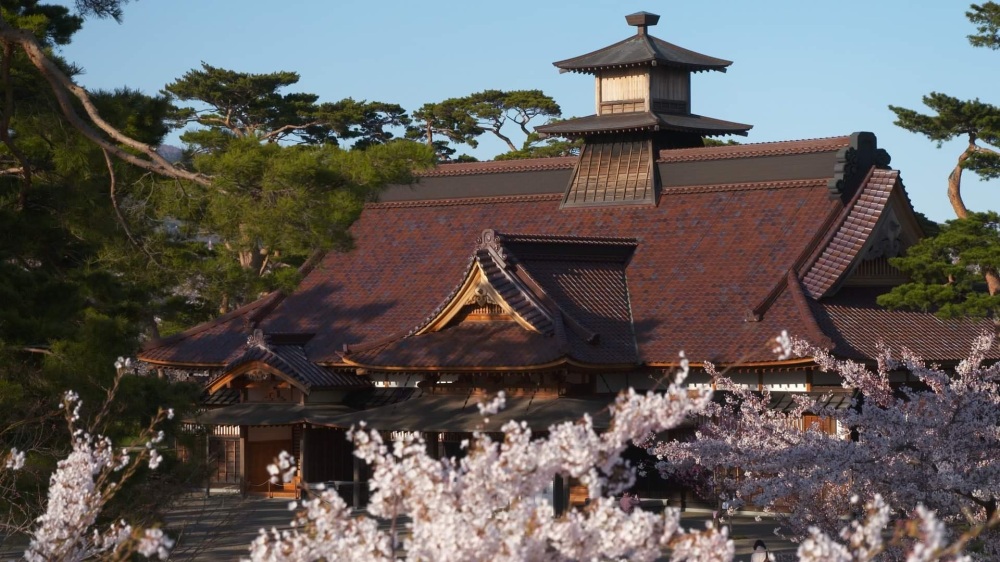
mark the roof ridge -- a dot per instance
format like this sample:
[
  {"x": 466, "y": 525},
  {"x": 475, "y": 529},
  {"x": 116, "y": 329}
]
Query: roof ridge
[
  {"x": 748, "y": 186},
  {"x": 749, "y": 150},
  {"x": 516, "y": 237},
  {"x": 832, "y": 229},
  {"x": 817, "y": 288},
  {"x": 493, "y": 166},
  {"x": 789, "y": 147},
  {"x": 669, "y": 190},
  {"x": 805, "y": 311},
  {"x": 466, "y": 201}
]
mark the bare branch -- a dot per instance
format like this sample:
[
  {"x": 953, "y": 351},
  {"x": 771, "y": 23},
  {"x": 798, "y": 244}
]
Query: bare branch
[
  {"x": 63, "y": 86},
  {"x": 8, "y": 110},
  {"x": 118, "y": 212}
]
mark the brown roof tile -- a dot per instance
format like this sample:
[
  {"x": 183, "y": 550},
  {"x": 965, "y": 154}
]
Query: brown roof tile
[
  {"x": 209, "y": 344},
  {"x": 571, "y": 290},
  {"x": 857, "y": 324},
  {"x": 712, "y": 250},
  {"x": 691, "y": 279},
  {"x": 850, "y": 237}
]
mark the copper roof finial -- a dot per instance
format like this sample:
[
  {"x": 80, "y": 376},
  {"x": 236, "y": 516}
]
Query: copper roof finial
[{"x": 642, "y": 20}]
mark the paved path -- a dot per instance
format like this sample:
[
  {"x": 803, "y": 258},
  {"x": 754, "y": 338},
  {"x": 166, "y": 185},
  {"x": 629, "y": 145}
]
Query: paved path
[{"x": 221, "y": 527}]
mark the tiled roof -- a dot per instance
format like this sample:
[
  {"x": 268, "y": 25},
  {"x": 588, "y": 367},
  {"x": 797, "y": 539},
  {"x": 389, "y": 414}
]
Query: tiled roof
[
  {"x": 571, "y": 290},
  {"x": 291, "y": 360},
  {"x": 270, "y": 413},
  {"x": 859, "y": 221},
  {"x": 209, "y": 344},
  {"x": 709, "y": 273},
  {"x": 856, "y": 324},
  {"x": 459, "y": 412},
  {"x": 703, "y": 259}
]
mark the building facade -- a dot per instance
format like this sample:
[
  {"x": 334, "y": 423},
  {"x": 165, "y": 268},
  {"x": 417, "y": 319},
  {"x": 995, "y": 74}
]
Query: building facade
[{"x": 564, "y": 280}]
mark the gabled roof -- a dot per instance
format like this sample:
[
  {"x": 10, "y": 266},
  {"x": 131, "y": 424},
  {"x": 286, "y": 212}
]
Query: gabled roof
[
  {"x": 567, "y": 296},
  {"x": 642, "y": 50},
  {"x": 290, "y": 362},
  {"x": 858, "y": 221}
]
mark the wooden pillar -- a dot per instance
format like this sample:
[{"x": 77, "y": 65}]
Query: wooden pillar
[
  {"x": 357, "y": 484},
  {"x": 244, "y": 439},
  {"x": 302, "y": 453},
  {"x": 433, "y": 440},
  {"x": 560, "y": 494},
  {"x": 208, "y": 461}
]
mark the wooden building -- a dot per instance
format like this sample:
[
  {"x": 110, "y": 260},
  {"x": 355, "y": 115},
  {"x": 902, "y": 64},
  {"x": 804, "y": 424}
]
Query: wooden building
[{"x": 565, "y": 280}]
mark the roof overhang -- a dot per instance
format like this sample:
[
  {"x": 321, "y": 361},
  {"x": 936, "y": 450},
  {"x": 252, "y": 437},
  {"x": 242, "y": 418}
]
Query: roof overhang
[{"x": 460, "y": 413}]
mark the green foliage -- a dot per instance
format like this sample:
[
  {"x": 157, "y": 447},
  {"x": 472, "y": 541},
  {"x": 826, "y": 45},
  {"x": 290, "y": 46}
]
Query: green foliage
[
  {"x": 947, "y": 270},
  {"x": 270, "y": 206},
  {"x": 367, "y": 122},
  {"x": 244, "y": 104},
  {"x": 711, "y": 141},
  {"x": 986, "y": 16},
  {"x": 955, "y": 118},
  {"x": 461, "y": 120},
  {"x": 52, "y": 24},
  {"x": 449, "y": 119},
  {"x": 977, "y": 121}
]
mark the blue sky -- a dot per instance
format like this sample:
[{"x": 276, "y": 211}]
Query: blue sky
[{"x": 802, "y": 69}]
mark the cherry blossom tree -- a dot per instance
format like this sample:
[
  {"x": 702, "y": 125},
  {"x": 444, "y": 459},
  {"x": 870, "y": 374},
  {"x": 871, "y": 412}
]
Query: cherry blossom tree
[
  {"x": 82, "y": 484},
  {"x": 934, "y": 442},
  {"x": 491, "y": 504}
]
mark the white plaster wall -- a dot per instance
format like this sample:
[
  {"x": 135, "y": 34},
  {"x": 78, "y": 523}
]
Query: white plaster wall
[{"x": 790, "y": 381}]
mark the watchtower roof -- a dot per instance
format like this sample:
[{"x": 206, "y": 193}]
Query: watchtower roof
[{"x": 642, "y": 49}]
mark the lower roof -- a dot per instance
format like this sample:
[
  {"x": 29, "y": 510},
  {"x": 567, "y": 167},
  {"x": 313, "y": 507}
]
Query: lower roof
[
  {"x": 267, "y": 413},
  {"x": 644, "y": 121},
  {"x": 857, "y": 325},
  {"x": 460, "y": 413}
]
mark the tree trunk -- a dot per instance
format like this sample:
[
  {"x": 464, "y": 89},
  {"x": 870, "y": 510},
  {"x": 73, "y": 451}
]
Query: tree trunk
[
  {"x": 504, "y": 139},
  {"x": 961, "y": 211},
  {"x": 955, "y": 182},
  {"x": 992, "y": 282}
]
